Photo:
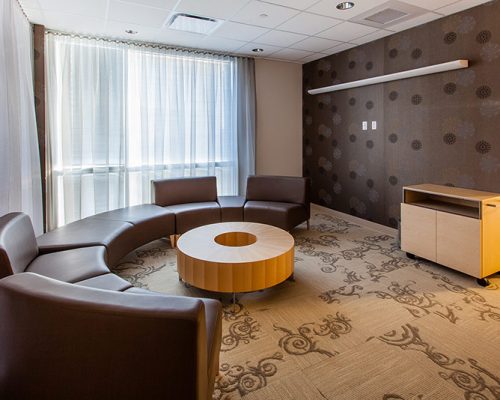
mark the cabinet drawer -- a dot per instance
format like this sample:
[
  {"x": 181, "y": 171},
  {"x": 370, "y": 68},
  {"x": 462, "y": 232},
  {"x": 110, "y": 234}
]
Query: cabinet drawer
[
  {"x": 459, "y": 243},
  {"x": 418, "y": 231}
]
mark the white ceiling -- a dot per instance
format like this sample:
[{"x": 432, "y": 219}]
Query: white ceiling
[{"x": 291, "y": 30}]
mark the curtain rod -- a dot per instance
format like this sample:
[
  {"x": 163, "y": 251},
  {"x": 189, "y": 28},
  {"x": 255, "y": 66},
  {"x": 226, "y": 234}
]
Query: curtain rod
[{"x": 141, "y": 44}]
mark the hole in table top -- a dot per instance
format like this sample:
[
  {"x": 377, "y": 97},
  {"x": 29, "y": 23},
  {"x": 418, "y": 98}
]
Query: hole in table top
[{"x": 235, "y": 239}]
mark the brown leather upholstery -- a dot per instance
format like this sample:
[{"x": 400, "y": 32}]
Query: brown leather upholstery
[
  {"x": 167, "y": 192},
  {"x": 281, "y": 201},
  {"x": 71, "y": 265},
  {"x": 151, "y": 222},
  {"x": 192, "y": 215},
  {"x": 231, "y": 208},
  {"x": 106, "y": 281},
  {"x": 282, "y": 215},
  {"x": 62, "y": 341},
  {"x": 91, "y": 232},
  {"x": 18, "y": 245}
]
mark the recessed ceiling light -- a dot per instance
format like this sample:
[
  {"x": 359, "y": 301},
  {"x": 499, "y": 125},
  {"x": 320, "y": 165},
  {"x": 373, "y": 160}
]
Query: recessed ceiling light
[
  {"x": 258, "y": 50},
  {"x": 193, "y": 23},
  {"x": 131, "y": 32},
  {"x": 345, "y": 5}
]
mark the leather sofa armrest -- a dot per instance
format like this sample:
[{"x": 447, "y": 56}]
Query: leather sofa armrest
[{"x": 76, "y": 342}]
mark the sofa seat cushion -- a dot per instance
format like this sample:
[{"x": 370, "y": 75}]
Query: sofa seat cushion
[
  {"x": 231, "y": 208},
  {"x": 71, "y": 265},
  {"x": 282, "y": 215},
  {"x": 150, "y": 222},
  {"x": 107, "y": 281},
  {"x": 116, "y": 236},
  {"x": 192, "y": 215}
]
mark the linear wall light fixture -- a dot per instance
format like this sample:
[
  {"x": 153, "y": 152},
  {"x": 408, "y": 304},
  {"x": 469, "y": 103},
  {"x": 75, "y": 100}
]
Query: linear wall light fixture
[{"x": 431, "y": 69}]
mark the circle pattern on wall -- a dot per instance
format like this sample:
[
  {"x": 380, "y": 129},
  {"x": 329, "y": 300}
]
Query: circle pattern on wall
[
  {"x": 416, "y": 145},
  {"x": 450, "y": 138},
  {"x": 393, "y": 138},
  {"x": 483, "y": 92},
  {"x": 483, "y": 37},
  {"x": 352, "y": 101},
  {"x": 416, "y": 99},
  {"x": 483, "y": 147},
  {"x": 450, "y": 37},
  {"x": 393, "y": 95},
  {"x": 416, "y": 54},
  {"x": 450, "y": 88},
  {"x": 393, "y": 53}
]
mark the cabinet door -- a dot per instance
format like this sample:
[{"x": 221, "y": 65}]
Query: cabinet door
[
  {"x": 418, "y": 231},
  {"x": 459, "y": 243}
]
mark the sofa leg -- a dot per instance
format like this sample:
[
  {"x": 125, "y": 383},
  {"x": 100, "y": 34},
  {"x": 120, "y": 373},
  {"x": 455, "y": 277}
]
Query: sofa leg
[{"x": 308, "y": 225}]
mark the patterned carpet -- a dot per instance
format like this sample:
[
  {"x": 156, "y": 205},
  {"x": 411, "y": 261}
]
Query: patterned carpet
[{"x": 361, "y": 321}]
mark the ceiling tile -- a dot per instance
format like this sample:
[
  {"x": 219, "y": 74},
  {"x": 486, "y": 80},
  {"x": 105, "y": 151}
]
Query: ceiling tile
[
  {"x": 179, "y": 38},
  {"x": 166, "y": 4},
  {"x": 74, "y": 23},
  {"x": 222, "y": 9},
  {"x": 298, "y": 4},
  {"x": 315, "y": 44},
  {"x": 264, "y": 14},
  {"x": 421, "y": 19},
  {"x": 268, "y": 49},
  {"x": 35, "y": 15},
  {"x": 346, "y": 31},
  {"x": 430, "y": 4},
  {"x": 459, "y": 6},
  {"x": 221, "y": 44},
  {"x": 312, "y": 57},
  {"x": 29, "y": 4},
  {"x": 291, "y": 54},
  {"x": 233, "y": 30},
  {"x": 117, "y": 29},
  {"x": 308, "y": 24},
  {"x": 87, "y": 8},
  {"x": 280, "y": 38},
  {"x": 372, "y": 36},
  {"x": 340, "y": 47},
  {"x": 136, "y": 14},
  {"x": 329, "y": 8}
]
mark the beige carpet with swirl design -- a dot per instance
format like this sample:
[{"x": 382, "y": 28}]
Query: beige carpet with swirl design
[{"x": 361, "y": 321}]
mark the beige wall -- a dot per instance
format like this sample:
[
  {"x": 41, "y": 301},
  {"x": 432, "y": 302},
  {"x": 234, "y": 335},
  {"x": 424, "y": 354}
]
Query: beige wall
[{"x": 279, "y": 118}]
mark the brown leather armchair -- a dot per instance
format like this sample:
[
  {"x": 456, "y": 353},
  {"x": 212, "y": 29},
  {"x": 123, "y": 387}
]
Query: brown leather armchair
[
  {"x": 62, "y": 341},
  {"x": 282, "y": 201}
]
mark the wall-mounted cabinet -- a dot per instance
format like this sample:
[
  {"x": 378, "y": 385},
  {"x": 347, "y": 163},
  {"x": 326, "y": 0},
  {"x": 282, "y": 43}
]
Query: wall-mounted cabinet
[{"x": 458, "y": 228}]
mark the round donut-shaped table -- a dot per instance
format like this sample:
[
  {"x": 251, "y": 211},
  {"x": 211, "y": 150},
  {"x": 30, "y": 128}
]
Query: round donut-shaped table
[{"x": 235, "y": 257}]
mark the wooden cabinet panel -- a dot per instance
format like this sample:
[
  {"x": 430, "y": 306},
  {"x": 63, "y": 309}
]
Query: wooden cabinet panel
[
  {"x": 418, "y": 231},
  {"x": 459, "y": 243}
]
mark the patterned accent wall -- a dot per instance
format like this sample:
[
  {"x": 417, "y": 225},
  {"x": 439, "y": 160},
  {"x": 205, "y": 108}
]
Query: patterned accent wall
[{"x": 442, "y": 128}]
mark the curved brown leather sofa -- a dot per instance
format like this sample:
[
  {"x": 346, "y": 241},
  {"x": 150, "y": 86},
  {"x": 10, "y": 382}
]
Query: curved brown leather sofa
[{"x": 66, "y": 315}]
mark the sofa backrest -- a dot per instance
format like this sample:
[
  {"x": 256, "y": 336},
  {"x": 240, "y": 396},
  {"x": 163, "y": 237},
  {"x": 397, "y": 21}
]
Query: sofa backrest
[
  {"x": 18, "y": 245},
  {"x": 287, "y": 189},
  {"x": 167, "y": 192}
]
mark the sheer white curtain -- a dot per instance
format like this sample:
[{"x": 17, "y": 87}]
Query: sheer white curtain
[
  {"x": 121, "y": 115},
  {"x": 20, "y": 183}
]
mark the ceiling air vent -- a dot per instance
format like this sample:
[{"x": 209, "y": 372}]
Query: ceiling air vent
[
  {"x": 193, "y": 23},
  {"x": 387, "y": 14}
]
